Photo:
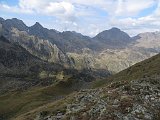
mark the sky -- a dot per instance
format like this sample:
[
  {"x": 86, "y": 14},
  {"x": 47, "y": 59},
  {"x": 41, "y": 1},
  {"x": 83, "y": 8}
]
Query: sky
[{"x": 88, "y": 17}]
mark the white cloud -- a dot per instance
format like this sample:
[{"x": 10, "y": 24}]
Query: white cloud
[
  {"x": 135, "y": 6},
  {"x": 118, "y": 7},
  {"x": 59, "y": 9},
  {"x": 112, "y": 7},
  {"x": 14, "y": 9}
]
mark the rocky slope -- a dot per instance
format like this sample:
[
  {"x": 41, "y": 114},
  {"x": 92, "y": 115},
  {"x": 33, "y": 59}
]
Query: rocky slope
[
  {"x": 138, "y": 100},
  {"x": 40, "y": 47},
  {"x": 127, "y": 96},
  {"x": 15, "y": 59}
]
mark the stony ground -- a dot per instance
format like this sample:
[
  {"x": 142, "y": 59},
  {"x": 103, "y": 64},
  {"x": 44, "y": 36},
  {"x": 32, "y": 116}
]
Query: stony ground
[{"x": 135, "y": 100}]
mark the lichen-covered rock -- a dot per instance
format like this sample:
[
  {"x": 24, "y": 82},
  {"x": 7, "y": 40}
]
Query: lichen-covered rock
[{"x": 135, "y": 100}]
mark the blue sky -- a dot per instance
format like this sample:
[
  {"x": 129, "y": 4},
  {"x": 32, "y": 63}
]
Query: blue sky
[{"x": 88, "y": 17}]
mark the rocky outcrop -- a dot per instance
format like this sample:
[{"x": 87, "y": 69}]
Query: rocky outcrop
[
  {"x": 40, "y": 48},
  {"x": 16, "y": 61},
  {"x": 134, "y": 100}
]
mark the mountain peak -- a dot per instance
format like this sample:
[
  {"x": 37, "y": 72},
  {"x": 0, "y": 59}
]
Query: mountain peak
[
  {"x": 37, "y": 25},
  {"x": 113, "y": 37},
  {"x": 16, "y": 19},
  {"x": 14, "y": 22},
  {"x": 112, "y": 30},
  {"x": 115, "y": 29},
  {"x": 1, "y": 19}
]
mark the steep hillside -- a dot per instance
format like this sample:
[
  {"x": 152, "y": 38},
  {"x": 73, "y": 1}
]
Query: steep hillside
[
  {"x": 144, "y": 69},
  {"x": 19, "y": 69},
  {"x": 16, "y": 60},
  {"x": 40, "y": 47}
]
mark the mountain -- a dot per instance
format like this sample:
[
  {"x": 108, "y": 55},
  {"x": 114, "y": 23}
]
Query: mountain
[
  {"x": 38, "y": 30},
  {"x": 148, "y": 40},
  {"x": 112, "y": 49},
  {"x": 67, "y": 41},
  {"x": 1, "y": 19},
  {"x": 145, "y": 69},
  {"x": 132, "y": 94},
  {"x": 14, "y": 57},
  {"x": 40, "y": 47},
  {"x": 14, "y": 22},
  {"x": 113, "y": 38}
]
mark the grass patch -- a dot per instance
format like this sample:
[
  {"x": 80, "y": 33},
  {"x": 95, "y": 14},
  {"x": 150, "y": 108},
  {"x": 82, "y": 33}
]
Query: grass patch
[{"x": 16, "y": 103}]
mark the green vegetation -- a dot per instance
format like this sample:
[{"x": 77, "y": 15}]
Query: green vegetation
[{"x": 16, "y": 103}]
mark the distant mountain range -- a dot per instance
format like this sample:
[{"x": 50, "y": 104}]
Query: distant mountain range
[{"x": 112, "y": 49}]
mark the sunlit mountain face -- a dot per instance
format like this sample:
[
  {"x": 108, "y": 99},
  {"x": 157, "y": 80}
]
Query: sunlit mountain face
[{"x": 79, "y": 60}]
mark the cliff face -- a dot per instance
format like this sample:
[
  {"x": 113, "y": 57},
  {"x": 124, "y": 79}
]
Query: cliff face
[
  {"x": 17, "y": 61},
  {"x": 40, "y": 47}
]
